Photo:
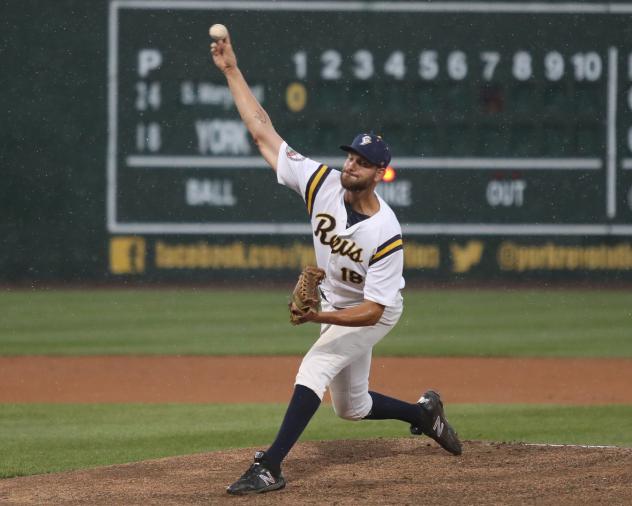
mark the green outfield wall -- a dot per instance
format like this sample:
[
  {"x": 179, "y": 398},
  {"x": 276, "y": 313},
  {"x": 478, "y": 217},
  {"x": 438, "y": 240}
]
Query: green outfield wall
[{"x": 123, "y": 157}]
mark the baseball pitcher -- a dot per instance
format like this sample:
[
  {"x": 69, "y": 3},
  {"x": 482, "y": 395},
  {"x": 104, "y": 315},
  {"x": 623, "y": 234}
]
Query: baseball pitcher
[{"x": 353, "y": 293}]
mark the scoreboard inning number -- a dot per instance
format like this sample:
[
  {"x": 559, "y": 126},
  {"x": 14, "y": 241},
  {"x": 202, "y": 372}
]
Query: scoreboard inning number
[{"x": 585, "y": 66}]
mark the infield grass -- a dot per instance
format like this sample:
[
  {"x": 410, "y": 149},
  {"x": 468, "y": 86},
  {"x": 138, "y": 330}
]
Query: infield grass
[
  {"x": 558, "y": 323},
  {"x": 39, "y": 438},
  {"x": 42, "y": 438}
]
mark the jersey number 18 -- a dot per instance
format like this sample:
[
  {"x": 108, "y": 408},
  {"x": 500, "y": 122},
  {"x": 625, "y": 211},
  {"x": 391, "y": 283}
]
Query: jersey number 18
[{"x": 353, "y": 276}]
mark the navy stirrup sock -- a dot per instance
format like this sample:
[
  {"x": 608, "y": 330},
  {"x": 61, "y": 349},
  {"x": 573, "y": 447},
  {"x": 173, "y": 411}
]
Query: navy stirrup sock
[
  {"x": 300, "y": 411},
  {"x": 389, "y": 408}
]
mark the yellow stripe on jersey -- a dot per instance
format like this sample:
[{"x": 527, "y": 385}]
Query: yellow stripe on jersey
[
  {"x": 391, "y": 246},
  {"x": 313, "y": 185}
]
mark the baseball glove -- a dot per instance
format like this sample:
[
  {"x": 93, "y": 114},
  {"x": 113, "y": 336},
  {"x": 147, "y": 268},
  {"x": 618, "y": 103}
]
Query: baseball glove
[{"x": 305, "y": 295}]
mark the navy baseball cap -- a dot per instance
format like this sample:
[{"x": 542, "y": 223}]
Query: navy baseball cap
[{"x": 372, "y": 147}]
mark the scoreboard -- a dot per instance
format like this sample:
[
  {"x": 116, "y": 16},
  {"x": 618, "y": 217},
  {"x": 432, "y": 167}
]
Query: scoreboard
[{"x": 503, "y": 118}]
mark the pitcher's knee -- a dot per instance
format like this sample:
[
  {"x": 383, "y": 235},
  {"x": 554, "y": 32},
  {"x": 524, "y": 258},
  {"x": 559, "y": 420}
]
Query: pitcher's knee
[
  {"x": 352, "y": 411},
  {"x": 349, "y": 414}
]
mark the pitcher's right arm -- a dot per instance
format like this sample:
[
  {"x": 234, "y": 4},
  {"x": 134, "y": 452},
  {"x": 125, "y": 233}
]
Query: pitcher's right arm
[{"x": 253, "y": 115}]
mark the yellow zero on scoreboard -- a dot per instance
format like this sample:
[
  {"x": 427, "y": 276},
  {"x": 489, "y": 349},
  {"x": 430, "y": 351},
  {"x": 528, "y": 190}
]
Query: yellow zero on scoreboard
[{"x": 296, "y": 97}]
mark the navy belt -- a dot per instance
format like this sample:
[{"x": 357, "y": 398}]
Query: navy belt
[{"x": 322, "y": 294}]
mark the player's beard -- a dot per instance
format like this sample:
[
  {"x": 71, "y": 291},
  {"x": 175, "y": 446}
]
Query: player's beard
[{"x": 355, "y": 184}]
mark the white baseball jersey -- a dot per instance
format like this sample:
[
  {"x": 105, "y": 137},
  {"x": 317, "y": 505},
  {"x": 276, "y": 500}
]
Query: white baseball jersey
[{"x": 364, "y": 261}]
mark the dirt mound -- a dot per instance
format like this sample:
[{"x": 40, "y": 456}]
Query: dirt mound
[{"x": 381, "y": 471}]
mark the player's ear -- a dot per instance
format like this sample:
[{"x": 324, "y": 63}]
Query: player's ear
[{"x": 379, "y": 174}]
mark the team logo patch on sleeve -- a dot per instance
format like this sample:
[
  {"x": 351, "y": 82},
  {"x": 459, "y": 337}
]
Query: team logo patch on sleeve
[
  {"x": 394, "y": 244},
  {"x": 293, "y": 155}
]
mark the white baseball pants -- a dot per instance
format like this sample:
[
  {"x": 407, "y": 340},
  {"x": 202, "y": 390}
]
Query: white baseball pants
[{"x": 341, "y": 360}]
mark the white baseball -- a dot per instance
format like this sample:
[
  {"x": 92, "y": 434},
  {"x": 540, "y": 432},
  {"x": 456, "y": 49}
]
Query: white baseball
[{"x": 218, "y": 32}]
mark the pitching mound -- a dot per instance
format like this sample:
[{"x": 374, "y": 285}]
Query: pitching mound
[{"x": 383, "y": 471}]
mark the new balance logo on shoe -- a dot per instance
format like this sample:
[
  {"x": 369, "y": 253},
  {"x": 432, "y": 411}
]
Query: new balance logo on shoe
[
  {"x": 267, "y": 478},
  {"x": 438, "y": 426},
  {"x": 257, "y": 479},
  {"x": 434, "y": 424}
]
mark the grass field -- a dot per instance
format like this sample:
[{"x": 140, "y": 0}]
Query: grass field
[
  {"x": 37, "y": 438},
  {"x": 555, "y": 323}
]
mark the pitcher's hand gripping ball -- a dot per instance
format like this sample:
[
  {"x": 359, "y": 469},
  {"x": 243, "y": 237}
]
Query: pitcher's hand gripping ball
[
  {"x": 218, "y": 32},
  {"x": 305, "y": 296}
]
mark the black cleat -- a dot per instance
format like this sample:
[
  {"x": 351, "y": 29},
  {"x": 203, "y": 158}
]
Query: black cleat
[
  {"x": 434, "y": 423},
  {"x": 258, "y": 478}
]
